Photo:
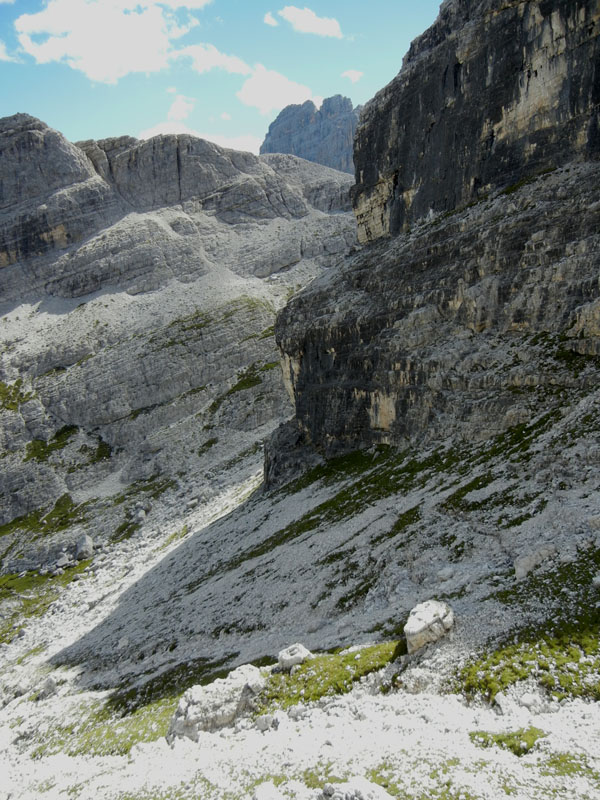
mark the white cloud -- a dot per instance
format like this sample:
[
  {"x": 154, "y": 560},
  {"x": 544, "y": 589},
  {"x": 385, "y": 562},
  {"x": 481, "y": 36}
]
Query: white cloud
[
  {"x": 181, "y": 108},
  {"x": 245, "y": 142},
  {"x": 225, "y": 115},
  {"x": 7, "y": 1},
  {"x": 106, "y": 39},
  {"x": 304, "y": 20},
  {"x": 206, "y": 57},
  {"x": 352, "y": 74},
  {"x": 269, "y": 19},
  {"x": 269, "y": 91},
  {"x": 3, "y": 52},
  {"x": 172, "y": 90}
]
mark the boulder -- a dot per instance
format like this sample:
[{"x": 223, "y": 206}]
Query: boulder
[
  {"x": 208, "y": 708},
  {"x": 293, "y": 655},
  {"x": 48, "y": 689},
  {"x": 84, "y": 548},
  {"x": 427, "y": 623},
  {"x": 525, "y": 564}
]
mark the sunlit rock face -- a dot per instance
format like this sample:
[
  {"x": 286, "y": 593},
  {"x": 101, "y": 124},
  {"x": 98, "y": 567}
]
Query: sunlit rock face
[
  {"x": 485, "y": 312},
  {"x": 139, "y": 282},
  {"x": 323, "y": 135},
  {"x": 492, "y": 92},
  {"x": 139, "y": 213}
]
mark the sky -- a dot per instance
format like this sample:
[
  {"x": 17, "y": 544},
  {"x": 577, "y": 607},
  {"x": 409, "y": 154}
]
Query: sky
[{"x": 219, "y": 69}]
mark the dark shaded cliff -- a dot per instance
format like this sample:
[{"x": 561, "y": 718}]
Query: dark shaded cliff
[
  {"x": 486, "y": 315},
  {"x": 325, "y": 136},
  {"x": 492, "y": 92}
]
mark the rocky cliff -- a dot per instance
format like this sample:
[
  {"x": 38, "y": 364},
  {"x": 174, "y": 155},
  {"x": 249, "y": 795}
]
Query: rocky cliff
[
  {"x": 480, "y": 316},
  {"x": 324, "y": 136},
  {"x": 139, "y": 283},
  {"x": 491, "y": 93}
]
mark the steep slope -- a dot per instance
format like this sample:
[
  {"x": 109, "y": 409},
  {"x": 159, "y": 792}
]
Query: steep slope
[
  {"x": 455, "y": 367},
  {"x": 324, "y": 136},
  {"x": 139, "y": 284}
]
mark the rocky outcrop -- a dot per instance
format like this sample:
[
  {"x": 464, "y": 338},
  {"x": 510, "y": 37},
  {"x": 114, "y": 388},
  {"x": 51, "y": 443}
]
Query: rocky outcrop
[
  {"x": 477, "y": 318},
  {"x": 137, "y": 214},
  {"x": 493, "y": 92},
  {"x": 324, "y": 136},
  {"x": 179, "y": 253}
]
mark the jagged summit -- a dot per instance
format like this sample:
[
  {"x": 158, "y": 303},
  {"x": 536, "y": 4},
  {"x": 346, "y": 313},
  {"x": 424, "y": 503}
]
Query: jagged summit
[{"x": 324, "y": 136}]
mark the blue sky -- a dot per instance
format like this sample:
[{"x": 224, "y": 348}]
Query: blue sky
[{"x": 221, "y": 69}]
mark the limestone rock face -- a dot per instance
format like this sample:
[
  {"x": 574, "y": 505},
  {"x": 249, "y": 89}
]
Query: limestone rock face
[
  {"x": 324, "y": 136},
  {"x": 140, "y": 213},
  {"x": 477, "y": 318},
  {"x": 464, "y": 328},
  {"x": 139, "y": 283},
  {"x": 492, "y": 93}
]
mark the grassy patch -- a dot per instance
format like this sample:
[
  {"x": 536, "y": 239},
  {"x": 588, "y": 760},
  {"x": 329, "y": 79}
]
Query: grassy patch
[
  {"x": 563, "y": 655},
  {"x": 514, "y": 187},
  {"x": 125, "y": 530},
  {"x": 519, "y": 742},
  {"x": 326, "y": 674},
  {"x": 40, "y": 450},
  {"x": 404, "y": 521},
  {"x": 205, "y": 447},
  {"x": 139, "y": 713},
  {"x": 570, "y": 766},
  {"x": 175, "y": 536},
  {"x": 151, "y": 487},
  {"x": 12, "y": 395},
  {"x": 61, "y": 516},
  {"x": 34, "y": 594}
]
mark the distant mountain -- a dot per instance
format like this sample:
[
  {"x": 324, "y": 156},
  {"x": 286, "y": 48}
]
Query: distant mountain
[{"x": 324, "y": 136}]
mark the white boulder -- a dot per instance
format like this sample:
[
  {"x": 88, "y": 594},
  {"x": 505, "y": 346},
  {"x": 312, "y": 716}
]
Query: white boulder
[
  {"x": 427, "y": 623},
  {"x": 208, "y": 708},
  {"x": 293, "y": 655}
]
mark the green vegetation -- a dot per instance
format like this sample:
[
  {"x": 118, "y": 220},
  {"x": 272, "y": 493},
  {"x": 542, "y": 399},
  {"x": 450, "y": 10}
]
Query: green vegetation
[
  {"x": 518, "y": 742},
  {"x": 132, "y": 714},
  {"x": 326, "y": 674},
  {"x": 457, "y": 501},
  {"x": 204, "y": 448},
  {"x": 152, "y": 487},
  {"x": 12, "y": 395},
  {"x": 392, "y": 777},
  {"x": 175, "y": 536},
  {"x": 514, "y": 187},
  {"x": 34, "y": 593},
  {"x": 267, "y": 333},
  {"x": 563, "y": 656},
  {"x": 61, "y": 516},
  {"x": 125, "y": 530},
  {"x": 404, "y": 521},
  {"x": 246, "y": 380},
  {"x": 39, "y": 450},
  {"x": 568, "y": 765}
]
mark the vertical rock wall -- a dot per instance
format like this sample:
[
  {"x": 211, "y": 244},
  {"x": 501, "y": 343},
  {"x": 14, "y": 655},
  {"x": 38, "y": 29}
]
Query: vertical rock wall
[{"x": 495, "y": 91}]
